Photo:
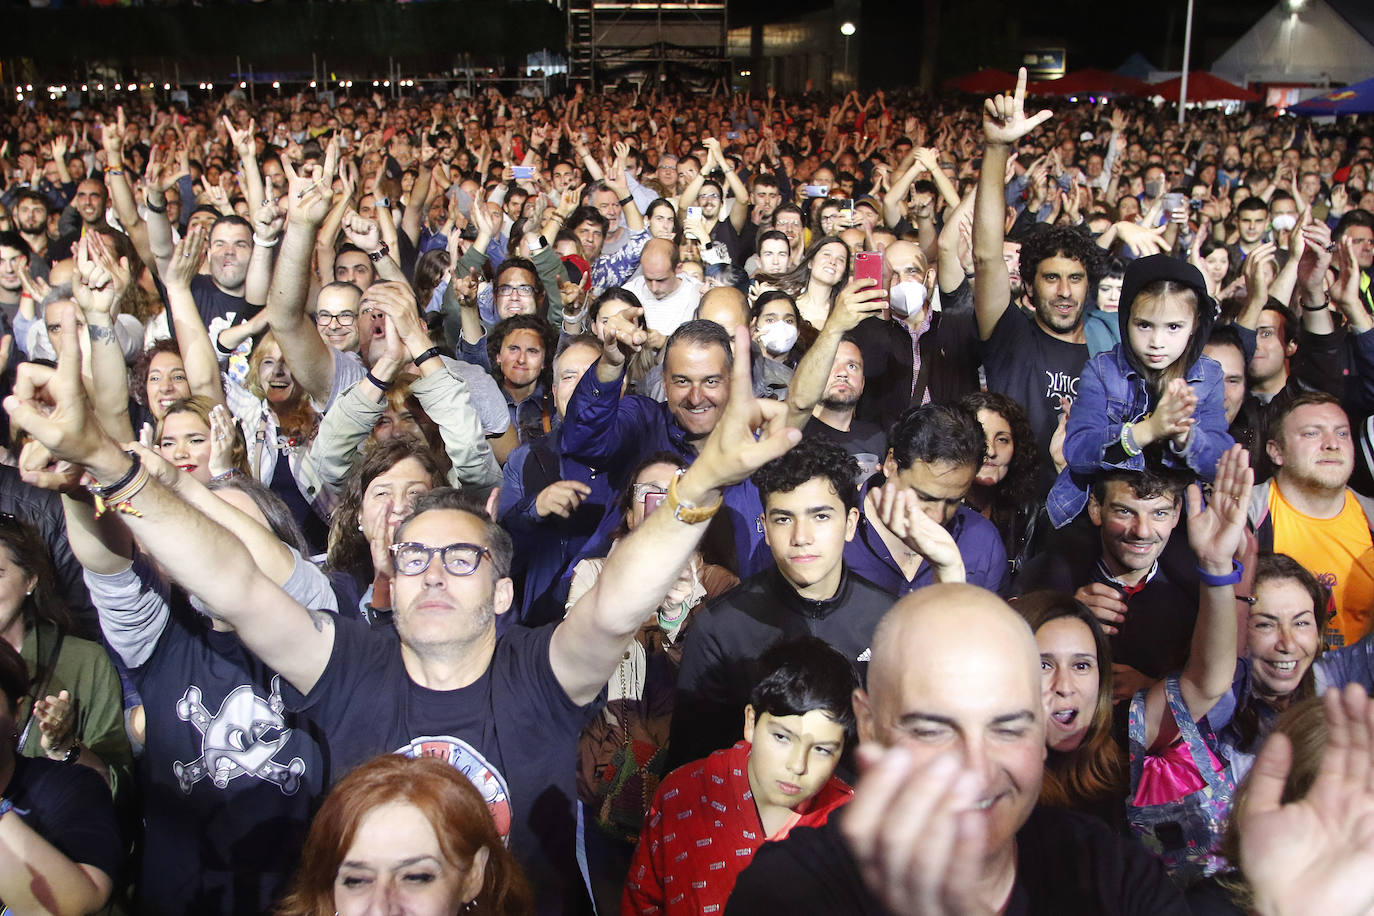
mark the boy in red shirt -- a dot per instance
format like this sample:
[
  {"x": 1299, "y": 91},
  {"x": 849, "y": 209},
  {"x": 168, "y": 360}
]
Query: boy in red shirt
[{"x": 710, "y": 816}]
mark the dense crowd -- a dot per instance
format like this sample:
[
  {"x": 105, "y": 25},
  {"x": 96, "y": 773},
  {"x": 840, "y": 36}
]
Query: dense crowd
[{"x": 520, "y": 504}]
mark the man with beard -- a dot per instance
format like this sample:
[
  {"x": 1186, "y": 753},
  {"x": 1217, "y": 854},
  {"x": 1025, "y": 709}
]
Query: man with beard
[
  {"x": 1308, "y": 512},
  {"x": 1034, "y": 358},
  {"x": 833, "y": 418},
  {"x": 1230, "y": 173},
  {"x": 89, "y": 206},
  {"x": 30, "y": 211}
]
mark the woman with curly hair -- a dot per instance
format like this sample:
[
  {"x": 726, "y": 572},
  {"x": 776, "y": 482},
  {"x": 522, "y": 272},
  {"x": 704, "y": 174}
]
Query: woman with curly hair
[
  {"x": 412, "y": 832},
  {"x": 1004, "y": 488}
]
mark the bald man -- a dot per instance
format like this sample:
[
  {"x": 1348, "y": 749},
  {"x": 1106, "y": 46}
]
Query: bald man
[
  {"x": 946, "y": 820},
  {"x": 668, "y": 298},
  {"x": 729, "y": 308}
]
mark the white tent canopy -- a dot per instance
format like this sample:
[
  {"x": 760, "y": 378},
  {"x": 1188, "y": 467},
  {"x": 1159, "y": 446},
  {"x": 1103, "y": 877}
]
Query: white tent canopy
[{"x": 1304, "y": 41}]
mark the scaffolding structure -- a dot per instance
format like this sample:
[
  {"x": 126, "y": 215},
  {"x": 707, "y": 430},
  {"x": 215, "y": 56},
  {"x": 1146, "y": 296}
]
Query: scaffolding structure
[{"x": 608, "y": 39}]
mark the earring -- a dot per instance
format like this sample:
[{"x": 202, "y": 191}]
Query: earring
[{"x": 470, "y": 906}]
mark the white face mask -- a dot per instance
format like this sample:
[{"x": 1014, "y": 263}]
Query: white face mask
[
  {"x": 906, "y": 298},
  {"x": 778, "y": 337},
  {"x": 1284, "y": 221}
]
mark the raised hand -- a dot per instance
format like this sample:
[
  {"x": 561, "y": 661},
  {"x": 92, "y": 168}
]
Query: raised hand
[
  {"x": 268, "y": 220},
  {"x": 1216, "y": 532},
  {"x": 751, "y": 432},
  {"x": 1004, "y": 116},
  {"x": 310, "y": 192},
  {"x": 859, "y": 299},
  {"x": 241, "y": 140},
  {"x": 51, "y": 405},
  {"x": 186, "y": 258},
  {"x": 621, "y": 336},
  {"x": 1315, "y": 855},
  {"x": 222, "y": 438},
  {"x": 915, "y": 831},
  {"x": 361, "y": 231}
]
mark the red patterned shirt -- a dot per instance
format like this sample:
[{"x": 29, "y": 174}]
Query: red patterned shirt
[{"x": 702, "y": 831}]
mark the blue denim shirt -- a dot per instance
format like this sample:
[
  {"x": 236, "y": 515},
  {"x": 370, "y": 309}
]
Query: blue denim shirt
[{"x": 1110, "y": 394}]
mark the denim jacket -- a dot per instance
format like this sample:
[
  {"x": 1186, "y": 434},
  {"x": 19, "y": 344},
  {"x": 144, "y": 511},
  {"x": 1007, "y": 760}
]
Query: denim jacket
[{"x": 1110, "y": 394}]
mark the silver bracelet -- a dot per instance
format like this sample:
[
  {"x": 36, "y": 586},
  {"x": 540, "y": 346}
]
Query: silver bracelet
[{"x": 263, "y": 243}]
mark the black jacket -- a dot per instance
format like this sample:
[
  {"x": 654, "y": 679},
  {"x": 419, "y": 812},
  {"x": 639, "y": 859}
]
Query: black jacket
[
  {"x": 730, "y": 633},
  {"x": 1067, "y": 864},
  {"x": 43, "y": 510}
]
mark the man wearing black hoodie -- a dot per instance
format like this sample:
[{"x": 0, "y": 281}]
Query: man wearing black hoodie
[{"x": 810, "y": 510}]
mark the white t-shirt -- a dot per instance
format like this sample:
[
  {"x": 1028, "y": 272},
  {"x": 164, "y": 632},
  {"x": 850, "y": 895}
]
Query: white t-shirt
[{"x": 664, "y": 315}]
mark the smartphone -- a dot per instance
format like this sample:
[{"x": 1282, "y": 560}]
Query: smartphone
[
  {"x": 868, "y": 265},
  {"x": 694, "y": 213},
  {"x": 523, "y": 172},
  {"x": 1172, "y": 201},
  {"x": 732, "y": 135},
  {"x": 652, "y": 501},
  {"x": 816, "y": 190}
]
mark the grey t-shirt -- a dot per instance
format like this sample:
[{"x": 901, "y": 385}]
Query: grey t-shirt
[
  {"x": 133, "y": 603},
  {"x": 486, "y": 395}
]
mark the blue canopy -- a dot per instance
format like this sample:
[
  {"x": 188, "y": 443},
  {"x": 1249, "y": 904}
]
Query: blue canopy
[{"x": 1354, "y": 99}]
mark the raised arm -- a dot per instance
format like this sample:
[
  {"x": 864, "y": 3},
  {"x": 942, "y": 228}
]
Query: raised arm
[
  {"x": 247, "y": 149},
  {"x": 418, "y": 202},
  {"x": 591, "y": 640},
  {"x": 310, "y": 358},
  {"x": 197, "y": 352},
  {"x": 1004, "y": 122},
  {"x": 1216, "y": 534},
  {"x": 51, "y": 405},
  {"x": 99, "y": 282},
  {"x": 157, "y": 178},
  {"x": 367, "y": 235},
  {"x": 950, "y": 267},
  {"x": 859, "y": 300}
]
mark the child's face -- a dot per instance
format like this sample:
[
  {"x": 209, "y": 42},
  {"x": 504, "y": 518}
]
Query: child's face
[
  {"x": 1160, "y": 329},
  {"x": 791, "y": 757}
]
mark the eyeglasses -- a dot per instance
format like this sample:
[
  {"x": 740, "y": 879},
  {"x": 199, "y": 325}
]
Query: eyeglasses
[
  {"x": 524, "y": 290},
  {"x": 345, "y": 319},
  {"x": 641, "y": 490},
  {"x": 411, "y": 559},
  {"x": 715, "y": 197}
]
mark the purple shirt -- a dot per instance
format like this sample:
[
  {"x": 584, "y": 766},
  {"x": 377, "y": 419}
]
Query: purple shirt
[{"x": 985, "y": 559}]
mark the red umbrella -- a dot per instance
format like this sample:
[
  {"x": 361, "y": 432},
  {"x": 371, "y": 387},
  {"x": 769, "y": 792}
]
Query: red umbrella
[
  {"x": 1204, "y": 87},
  {"x": 983, "y": 82},
  {"x": 1090, "y": 82}
]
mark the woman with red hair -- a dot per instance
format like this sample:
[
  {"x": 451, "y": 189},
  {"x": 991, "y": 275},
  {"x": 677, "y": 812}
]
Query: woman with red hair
[{"x": 406, "y": 831}]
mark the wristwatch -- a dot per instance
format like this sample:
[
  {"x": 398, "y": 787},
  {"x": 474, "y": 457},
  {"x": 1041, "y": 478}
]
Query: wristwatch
[{"x": 380, "y": 253}]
